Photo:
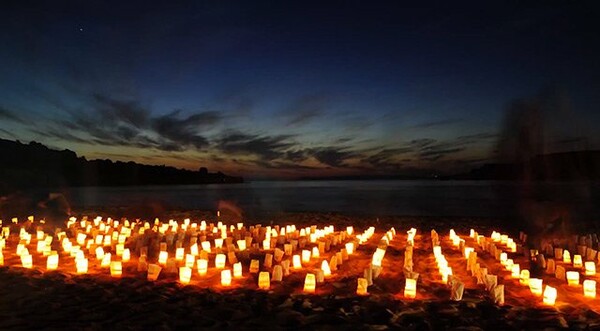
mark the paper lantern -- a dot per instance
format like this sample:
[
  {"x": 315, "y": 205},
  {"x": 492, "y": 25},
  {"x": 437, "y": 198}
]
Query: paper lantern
[
  {"x": 325, "y": 268},
  {"x": 206, "y": 246},
  {"x": 362, "y": 286},
  {"x": 277, "y": 273},
  {"x": 590, "y": 268},
  {"x": 515, "y": 271},
  {"x": 410, "y": 288},
  {"x": 119, "y": 249},
  {"x": 194, "y": 249},
  {"x": 549, "y": 295},
  {"x": 220, "y": 261},
  {"x": 99, "y": 253},
  {"x": 185, "y": 275},
  {"x": 468, "y": 251},
  {"x": 350, "y": 248},
  {"x": 202, "y": 266},
  {"x": 237, "y": 270},
  {"x": 226, "y": 277},
  {"x": 378, "y": 257},
  {"x": 305, "y": 256},
  {"x": 153, "y": 271},
  {"x": 508, "y": 264},
  {"x": 310, "y": 283},
  {"x": 52, "y": 262},
  {"x": 566, "y": 256},
  {"x": 315, "y": 252},
  {"x": 126, "y": 255},
  {"x": 577, "y": 262},
  {"x": 524, "y": 277},
  {"x": 27, "y": 261},
  {"x": 105, "y": 262},
  {"x": 179, "y": 254},
  {"x": 266, "y": 244},
  {"x": 535, "y": 285},
  {"x": 264, "y": 280},
  {"x": 437, "y": 251},
  {"x": 296, "y": 264},
  {"x": 189, "y": 260},
  {"x": 241, "y": 245},
  {"x": 81, "y": 265},
  {"x": 573, "y": 278},
  {"x": 589, "y": 288},
  {"x": 116, "y": 269},
  {"x": 163, "y": 256},
  {"x": 503, "y": 258}
]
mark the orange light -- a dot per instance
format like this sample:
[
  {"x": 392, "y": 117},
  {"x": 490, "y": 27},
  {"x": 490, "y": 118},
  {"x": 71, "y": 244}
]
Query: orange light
[
  {"x": 116, "y": 269},
  {"x": 226, "y": 277},
  {"x": 310, "y": 283},
  {"x": 410, "y": 288},
  {"x": 264, "y": 280},
  {"x": 549, "y": 295},
  {"x": 362, "y": 286},
  {"x": 589, "y": 288},
  {"x": 185, "y": 275}
]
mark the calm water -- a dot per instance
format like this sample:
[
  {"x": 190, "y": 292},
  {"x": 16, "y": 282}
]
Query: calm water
[{"x": 416, "y": 198}]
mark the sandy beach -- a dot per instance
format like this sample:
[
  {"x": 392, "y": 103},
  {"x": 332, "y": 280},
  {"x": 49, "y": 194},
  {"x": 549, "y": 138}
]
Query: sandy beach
[{"x": 61, "y": 300}]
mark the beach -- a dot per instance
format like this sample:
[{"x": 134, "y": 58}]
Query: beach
[{"x": 40, "y": 299}]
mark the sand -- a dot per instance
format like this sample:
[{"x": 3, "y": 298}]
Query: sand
[{"x": 60, "y": 300}]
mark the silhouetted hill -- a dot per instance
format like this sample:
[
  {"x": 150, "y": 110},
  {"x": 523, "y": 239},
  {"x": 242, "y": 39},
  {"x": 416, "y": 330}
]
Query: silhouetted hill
[
  {"x": 581, "y": 165},
  {"x": 35, "y": 165}
]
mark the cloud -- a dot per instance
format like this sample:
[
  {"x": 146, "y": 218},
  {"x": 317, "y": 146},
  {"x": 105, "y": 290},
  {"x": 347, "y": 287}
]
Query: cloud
[
  {"x": 307, "y": 107},
  {"x": 429, "y": 124},
  {"x": 116, "y": 122},
  {"x": 8, "y": 115},
  {"x": 267, "y": 148},
  {"x": 332, "y": 156}
]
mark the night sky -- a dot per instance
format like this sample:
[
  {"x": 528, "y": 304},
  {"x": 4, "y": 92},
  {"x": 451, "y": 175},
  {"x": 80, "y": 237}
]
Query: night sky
[{"x": 282, "y": 89}]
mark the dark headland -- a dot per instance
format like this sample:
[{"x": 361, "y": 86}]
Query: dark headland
[{"x": 35, "y": 165}]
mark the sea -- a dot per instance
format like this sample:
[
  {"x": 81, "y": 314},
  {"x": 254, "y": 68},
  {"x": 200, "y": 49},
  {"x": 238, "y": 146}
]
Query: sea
[{"x": 490, "y": 199}]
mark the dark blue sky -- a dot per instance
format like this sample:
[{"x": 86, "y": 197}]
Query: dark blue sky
[{"x": 296, "y": 89}]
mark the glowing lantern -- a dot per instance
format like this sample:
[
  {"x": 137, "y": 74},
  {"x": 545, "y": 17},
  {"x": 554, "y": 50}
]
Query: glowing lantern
[
  {"x": 27, "y": 261},
  {"x": 446, "y": 272},
  {"x": 503, "y": 258},
  {"x": 378, "y": 257},
  {"x": 315, "y": 252},
  {"x": 266, "y": 244},
  {"x": 361, "y": 287},
  {"x": 325, "y": 268},
  {"x": 206, "y": 246},
  {"x": 194, "y": 249},
  {"x": 126, "y": 255},
  {"x": 437, "y": 251},
  {"x": 590, "y": 268},
  {"x": 577, "y": 262},
  {"x": 350, "y": 248},
  {"x": 241, "y": 245},
  {"x": 226, "y": 277},
  {"x": 573, "y": 278},
  {"x": 116, "y": 269},
  {"x": 296, "y": 264},
  {"x": 589, "y": 288},
  {"x": 202, "y": 265},
  {"x": 220, "y": 261},
  {"x": 508, "y": 264},
  {"x": 52, "y": 262},
  {"x": 99, "y": 253},
  {"x": 305, "y": 255},
  {"x": 410, "y": 289},
  {"x": 163, "y": 256},
  {"x": 120, "y": 248},
  {"x": 237, "y": 270},
  {"x": 153, "y": 271},
  {"x": 549, "y": 295},
  {"x": 189, "y": 260},
  {"x": 81, "y": 265},
  {"x": 535, "y": 285},
  {"x": 566, "y": 256},
  {"x": 185, "y": 274},
  {"x": 105, "y": 263},
  {"x": 468, "y": 251},
  {"x": 264, "y": 280},
  {"x": 515, "y": 271},
  {"x": 524, "y": 277},
  {"x": 310, "y": 283},
  {"x": 179, "y": 254}
]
